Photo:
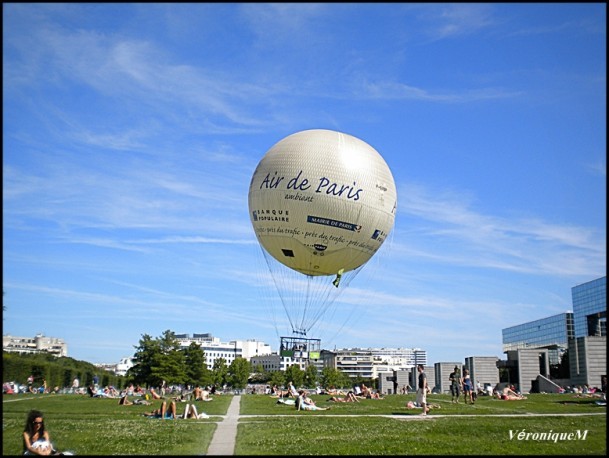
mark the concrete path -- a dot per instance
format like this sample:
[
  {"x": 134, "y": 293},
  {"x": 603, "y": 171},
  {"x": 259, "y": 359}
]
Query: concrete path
[{"x": 223, "y": 441}]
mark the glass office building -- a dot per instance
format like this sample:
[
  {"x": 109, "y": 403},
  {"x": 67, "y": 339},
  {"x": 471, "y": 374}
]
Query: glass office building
[
  {"x": 590, "y": 308},
  {"x": 552, "y": 332}
]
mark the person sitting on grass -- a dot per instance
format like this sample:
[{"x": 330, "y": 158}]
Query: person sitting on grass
[
  {"x": 123, "y": 401},
  {"x": 291, "y": 391},
  {"x": 164, "y": 412},
  {"x": 303, "y": 402},
  {"x": 36, "y": 440}
]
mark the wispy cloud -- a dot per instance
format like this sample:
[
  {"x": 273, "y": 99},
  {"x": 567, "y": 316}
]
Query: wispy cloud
[
  {"x": 462, "y": 236},
  {"x": 387, "y": 90},
  {"x": 453, "y": 20}
]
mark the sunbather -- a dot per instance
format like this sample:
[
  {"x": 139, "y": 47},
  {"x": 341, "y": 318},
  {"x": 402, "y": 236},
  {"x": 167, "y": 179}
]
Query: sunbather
[
  {"x": 416, "y": 405},
  {"x": 191, "y": 412},
  {"x": 349, "y": 397},
  {"x": 164, "y": 412},
  {"x": 154, "y": 394},
  {"x": 508, "y": 394},
  {"x": 123, "y": 401}
]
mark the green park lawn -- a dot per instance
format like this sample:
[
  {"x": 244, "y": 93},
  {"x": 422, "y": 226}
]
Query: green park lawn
[{"x": 540, "y": 425}]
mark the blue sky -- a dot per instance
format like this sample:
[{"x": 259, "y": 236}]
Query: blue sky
[{"x": 131, "y": 133}]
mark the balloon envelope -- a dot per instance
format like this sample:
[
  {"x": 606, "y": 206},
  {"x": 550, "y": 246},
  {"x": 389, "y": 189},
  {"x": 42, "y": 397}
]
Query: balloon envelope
[{"x": 322, "y": 202}]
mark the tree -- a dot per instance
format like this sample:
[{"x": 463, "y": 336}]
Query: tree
[
  {"x": 197, "y": 372},
  {"x": 295, "y": 374},
  {"x": 277, "y": 378},
  {"x": 220, "y": 372},
  {"x": 310, "y": 376},
  {"x": 239, "y": 373},
  {"x": 331, "y": 377},
  {"x": 144, "y": 359},
  {"x": 170, "y": 363},
  {"x": 259, "y": 375},
  {"x": 158, "y": 360}
]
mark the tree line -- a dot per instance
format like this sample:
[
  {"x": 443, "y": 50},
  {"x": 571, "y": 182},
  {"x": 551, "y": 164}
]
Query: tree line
[
  {"x": 56, "y": 372},
  {"x": 163, "y": 361}
]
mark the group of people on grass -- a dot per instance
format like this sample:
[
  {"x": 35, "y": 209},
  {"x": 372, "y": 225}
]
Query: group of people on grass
[
  {"x": 463, "y": 384},
  {"x": 359, "y": 392}
]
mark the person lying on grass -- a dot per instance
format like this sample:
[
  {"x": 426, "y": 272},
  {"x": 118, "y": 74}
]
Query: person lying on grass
[
  {"x": 416, "y": 405},
  {"x": 191, "y": 412},
  {"x": 350, "y": 397},
  {"x": 123, "y": 401},
  {"x": 164, "y": 412},
  {"x": 508, "y": 394}
]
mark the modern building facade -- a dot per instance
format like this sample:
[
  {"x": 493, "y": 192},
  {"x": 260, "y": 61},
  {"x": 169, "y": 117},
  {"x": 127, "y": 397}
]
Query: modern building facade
[
  {"x": 532, "y": 347},
  {"x": 590, "y": 308},
  {"x": 483, "y": 371},
  {"x": 442, "y": 373},
  {"x": 524, "y": 367},
  {"x": 552, "y": 333},
  {"x": 588, "y": 360},
  {"x": 588, "y": 351}
]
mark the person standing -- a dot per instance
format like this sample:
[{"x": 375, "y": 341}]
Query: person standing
[
  {"x": 455, "y": 384},
  {"x": 467, "y": 387},
  {"x": 422, "y": 389}
]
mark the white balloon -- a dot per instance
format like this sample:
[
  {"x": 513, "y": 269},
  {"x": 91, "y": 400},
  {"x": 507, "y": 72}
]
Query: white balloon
[{"x": 322, "y": 202}]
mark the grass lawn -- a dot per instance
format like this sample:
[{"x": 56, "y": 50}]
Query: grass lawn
[{"x": 89, "y": 426}]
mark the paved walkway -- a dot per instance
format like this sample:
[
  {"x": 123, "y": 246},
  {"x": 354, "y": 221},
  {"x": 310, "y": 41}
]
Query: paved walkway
[{"x": 223, "y": 442}]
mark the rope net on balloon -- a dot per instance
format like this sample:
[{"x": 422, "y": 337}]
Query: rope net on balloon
[{"x": 311, "y": 305}]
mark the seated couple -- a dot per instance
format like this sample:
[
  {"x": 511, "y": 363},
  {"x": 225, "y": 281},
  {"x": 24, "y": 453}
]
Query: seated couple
[
  {"x": 290, "y": 392},
  {"x": 303, "y": 402}
]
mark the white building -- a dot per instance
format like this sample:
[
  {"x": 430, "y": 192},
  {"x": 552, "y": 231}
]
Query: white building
[
  {"x": 373, "y": 362},
  {"x": 119, "y": 368},
  {"x": 37, "y": 344},
  {"x": 215, "y": 349},
  {"x": 123, "y": 366}
]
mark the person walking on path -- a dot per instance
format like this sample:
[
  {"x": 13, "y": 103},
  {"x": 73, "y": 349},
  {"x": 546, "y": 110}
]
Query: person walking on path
[{"x": 422, "y": 389}]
